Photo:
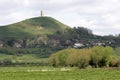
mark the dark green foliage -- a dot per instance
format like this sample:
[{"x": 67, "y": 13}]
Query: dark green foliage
[
  {"x": 42, "y": 52},
  {"x": 7, "y": 51},
  {"x": 5, "y": 62}
]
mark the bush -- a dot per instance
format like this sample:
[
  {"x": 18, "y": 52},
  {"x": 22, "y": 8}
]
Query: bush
[
  {"x": 53, "y": 60},
  {"x": 97, "y": 56},
  {"x": 79, "y": 58},
  {"x": 117, "y": 50},
  {"x": 5, "y": 62},
  {"x": 101, "y": 56},
  {"x": 59, "y": 58},
  {"x": 71, "y": 57},
  {"x": 83, "y": 58},
  {"x": 115, "y": 61}
]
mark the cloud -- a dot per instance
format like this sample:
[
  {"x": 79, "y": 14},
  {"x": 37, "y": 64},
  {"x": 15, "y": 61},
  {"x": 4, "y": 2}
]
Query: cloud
[{"x": 102, "y": 16}]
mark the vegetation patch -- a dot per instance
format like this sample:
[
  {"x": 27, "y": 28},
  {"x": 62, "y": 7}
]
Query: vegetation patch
[
  {"x": 96, "y": 56},
  {"x": 36, "y": 73}
]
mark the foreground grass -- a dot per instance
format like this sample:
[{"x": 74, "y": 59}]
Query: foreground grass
[{"x": 49, "y": 73}]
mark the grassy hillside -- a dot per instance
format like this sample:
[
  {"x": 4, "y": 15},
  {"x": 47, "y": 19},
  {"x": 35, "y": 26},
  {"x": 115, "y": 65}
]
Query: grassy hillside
[{"x": 32, "y": 27}]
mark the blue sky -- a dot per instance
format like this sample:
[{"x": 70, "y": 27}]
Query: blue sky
[{"x": 101, "y": 16}]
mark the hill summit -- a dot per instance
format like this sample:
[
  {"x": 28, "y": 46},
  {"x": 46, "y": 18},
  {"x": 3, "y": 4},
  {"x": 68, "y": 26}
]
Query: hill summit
[{"x": 32, "y": 27}]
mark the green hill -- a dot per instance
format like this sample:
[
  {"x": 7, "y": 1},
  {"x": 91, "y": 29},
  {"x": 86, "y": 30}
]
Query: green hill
[
  {"x": 44, "y": 36},
  {"x": 32, "y": 27}
]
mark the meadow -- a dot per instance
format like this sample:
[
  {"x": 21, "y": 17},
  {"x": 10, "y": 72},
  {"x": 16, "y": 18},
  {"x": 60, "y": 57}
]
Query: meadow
[
  {"x": 23, "y": 58},
  {"x": 50, "y": 73},
  {"x": 40, "y": 71}
]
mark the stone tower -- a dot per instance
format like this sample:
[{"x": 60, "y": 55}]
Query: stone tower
[{"x": 41, "y": 13}]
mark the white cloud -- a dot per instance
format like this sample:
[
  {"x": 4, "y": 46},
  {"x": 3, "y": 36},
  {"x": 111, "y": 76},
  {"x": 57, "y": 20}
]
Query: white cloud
[{"x": 102, "y": 16}]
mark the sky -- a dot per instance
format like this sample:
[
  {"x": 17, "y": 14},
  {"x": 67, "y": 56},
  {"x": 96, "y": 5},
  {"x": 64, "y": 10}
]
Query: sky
[{"x": 101, "y": 16}]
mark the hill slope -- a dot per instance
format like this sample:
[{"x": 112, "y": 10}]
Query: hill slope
[{"x": 32, "y": 27}]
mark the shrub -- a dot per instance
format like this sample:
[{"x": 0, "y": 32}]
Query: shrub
[
  {"x": 115, "y": 61},
  {"x": 97, "y": 56},
  {"x": 107, "y": 55},
  {"x": 101, "y": 56},
  {"x": 59, "y": 58},
  {"x": 62, "y": 56},
  {"x": 117, "y": 50},
  {"x": 83, "y": 58},
  {"x": 53, "y": 60},
  {"x": 71, "y": 57},
  {"x": 5, "y": 62}
]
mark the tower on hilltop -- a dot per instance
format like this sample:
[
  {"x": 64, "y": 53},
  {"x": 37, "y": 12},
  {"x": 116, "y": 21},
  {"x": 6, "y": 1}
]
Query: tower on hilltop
[{"x": 41, "y": 13}]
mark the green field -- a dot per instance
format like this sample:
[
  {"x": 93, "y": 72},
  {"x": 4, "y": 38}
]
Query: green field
[
  {"x": 23, "y": 58},
  {"x": 50, "y": 73}
]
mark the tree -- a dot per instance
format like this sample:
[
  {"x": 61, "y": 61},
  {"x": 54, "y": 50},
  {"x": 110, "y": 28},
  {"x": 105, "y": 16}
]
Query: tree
[
  {"x": 96, "y": 55},
  {"x": 101, "y": 56},
  {"x": 83, "y": 58}
]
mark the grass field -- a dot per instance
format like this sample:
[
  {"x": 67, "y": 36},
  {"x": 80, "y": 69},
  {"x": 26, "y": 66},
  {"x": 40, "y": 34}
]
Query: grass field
[
  {"x": 49, "y": 73},
  {"x": 23, "y": 58}
]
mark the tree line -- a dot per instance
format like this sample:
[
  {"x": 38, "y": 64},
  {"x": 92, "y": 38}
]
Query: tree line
[{"x": 97, "y": 56}]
